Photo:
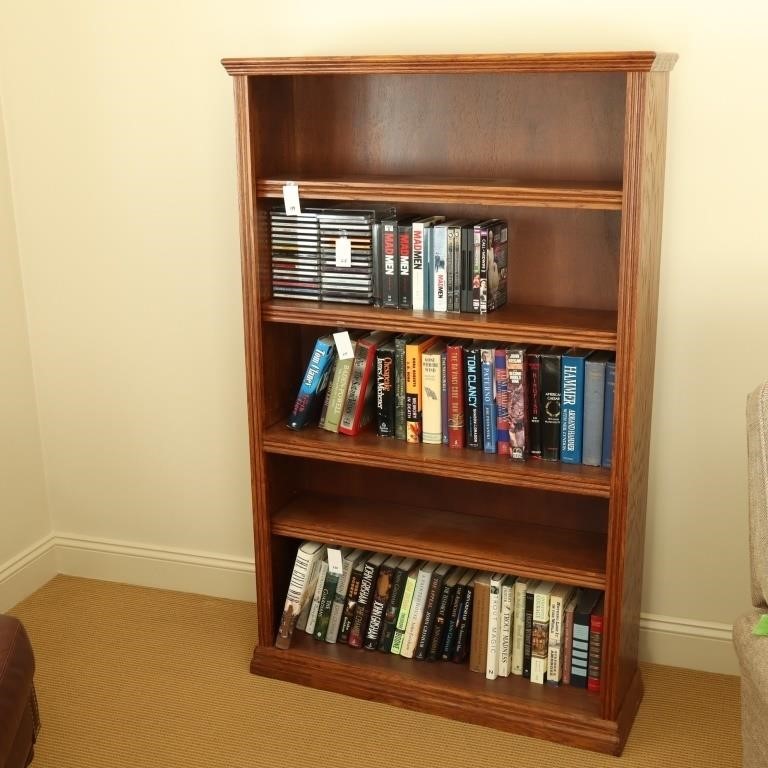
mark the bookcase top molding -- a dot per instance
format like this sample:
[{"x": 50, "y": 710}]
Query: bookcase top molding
[{"x": 623, "y": 61}]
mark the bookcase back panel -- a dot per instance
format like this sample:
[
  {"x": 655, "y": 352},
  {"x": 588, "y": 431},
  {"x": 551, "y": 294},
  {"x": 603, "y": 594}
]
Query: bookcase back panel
[
  {"x": 508, "y": 505},
  {"x": 476, "y": 125}
]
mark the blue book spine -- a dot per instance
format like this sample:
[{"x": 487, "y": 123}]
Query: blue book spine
[
  {"x": 572, "y": 406},
  {"x": 488, "y": 376},
  {"x": 594, "y": 393},
  {"x": 444, "y": 397},
  {"x": 502, "y": 402},
  {"x": 313, "y": 385},
  {"x": 429, "y": 270},
  {"x": 610, "y": 386}
]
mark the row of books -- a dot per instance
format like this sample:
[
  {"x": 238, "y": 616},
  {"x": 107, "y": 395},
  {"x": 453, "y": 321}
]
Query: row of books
[
  {"x": 543, "y": 402},
  {"x": 500, "y": 624},
  {"x": 408, "y": 262}
]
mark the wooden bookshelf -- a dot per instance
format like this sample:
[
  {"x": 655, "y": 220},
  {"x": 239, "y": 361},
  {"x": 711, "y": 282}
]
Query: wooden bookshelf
[{"x": 569, "y": 149}]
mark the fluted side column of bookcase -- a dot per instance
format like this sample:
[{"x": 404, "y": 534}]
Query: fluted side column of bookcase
[{"x": 570, "y": 148}]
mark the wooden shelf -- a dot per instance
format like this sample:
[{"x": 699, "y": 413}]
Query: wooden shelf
[
  {"x": 369, "y": 450},
  {"x": 541, "y": 552},
  {"x": 451, "y": 190},
  {"x": 443, "y": 688},
  {"x": 594, "y": 329}
]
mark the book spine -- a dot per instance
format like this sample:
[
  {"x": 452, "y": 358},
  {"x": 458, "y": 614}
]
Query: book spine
[
  {"x": 357, "y": 407},
  {"x": 403, "y": 615},
  {"x": 556, "y": 632},
  {"x": 478, "y": 652},
  {"x": 405, "y": 300},
  {"x": 382, "y": 591},
  {"x": 516, "y": 403},
  {"x": 580, "y": 650},
  {"x": 294, "y": 599},
  {"x": 416, "y": 615},
  {"x": 326, "y": 604},
  {"x": 350, "y": 604},
  {"x": 431, "y": 398},
  {"x": 444, "y": 397},
  {"x": 494, "y": 612},
  {"x": 338, "y": 394},
  {"x": 518, "y": 627},
  {"x": 502, "y": 402},
  {"x": 464, "y": 628},
  {"x": 315, "y": 608},
  {"x": 540, "y": 638},
  {"x": 400, "y": 344},
  {"x": 473, "y": 398},
  {"x": 505, "y": 629},
  {"x": 440, "y": 253},
  {"x": 528, "y": 636},
  {"x": 442, "y": 618},
  {"x": 363, "y": 607},
  {"x": 483, "y": 271},
  {"x": 385, "y": 392},
  {"x": 431, "y": 607},
  {"x": 417, "y": 265},
  {"x": 455, "y": 363},
  {"x": 392, "y": 610},
  {"x": 572, "y": 410},
  {"x": 413, "y": 414},
  {"x": 610, "y": 387},
  {"x": 595, "y": 653},
  {"x": 594, "y": 403},
  {"x": 550, "y": 406},
  {"x": 533, "y": 378},
  {"x": 452, "y": 624},
  {"x": 389, "y": 293},
  {"x": 488, "y": 376},
  {"x": 339, "y": 599},
  {"x": 310, "y": 397},
  {"x": 567, "y": 646},
  {"x": 327, "y": 398}
]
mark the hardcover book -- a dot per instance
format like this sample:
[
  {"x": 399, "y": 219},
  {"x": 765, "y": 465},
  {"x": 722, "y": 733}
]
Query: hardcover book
[
  {"x": 594, "y": 405},
  {"x": 568, "y": 638},
  {"x": 350, "y": 601},
  {"x": 337, "y": 388},
  {"x": 533, "y": 379},
  {"x": 401, "y": 342},
  {"x": 588, "y": 599},
  {"x": 488, "y": 378},
  {"x": 516, "y": 402},
  {"x": 610, "y": 388},
  {"x": 431, "y": 394},
  {"x": 540, "y": 632},
  {"x": 382, "y": 592},
  {"x": 339, "y": 599},
  {"x": 440, "y": 629},
  {"x": 327, "y": 596},
  {"x": 505, "y": 625},
  {"x": 502, "y": 402},
  {"x": 464, "y": 627},
  {"x": 551, "y": 391},
  {"x": 558, "y": 601},
  {"x": 478, "y": 653},
  {"x": 385, "y": 389},
  {"x": 413, "y": 401},
  {"x": 493, "y": 621},
  {"x": 455, "y": 362},
  {"x": 595, "y": 647},
  {"x": 431, "y": 607},
  {"x": 444, "y": 396},
  {"x": 303, "y": 580},
  {"x": 528, "y": 633},
  {"x": 416, "y": 615},
  {"x": 405, "y": 609},
  {"x": 473, "y": 396},
  {"x": 458, "y": 601},
  {"x": 315, "y": 607},
  {"x": 392, "y": 609},
  {"x": 365, "y": 597},
  {"x": 572, "y": 405},
  {"x": 309, "y": 400}
]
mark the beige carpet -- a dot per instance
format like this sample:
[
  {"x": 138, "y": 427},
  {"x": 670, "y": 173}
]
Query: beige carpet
[{"x": 138, "y": 677}]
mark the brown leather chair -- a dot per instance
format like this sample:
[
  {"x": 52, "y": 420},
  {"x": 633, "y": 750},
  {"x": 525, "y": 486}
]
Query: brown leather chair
[{"x": 19, "y": 721}]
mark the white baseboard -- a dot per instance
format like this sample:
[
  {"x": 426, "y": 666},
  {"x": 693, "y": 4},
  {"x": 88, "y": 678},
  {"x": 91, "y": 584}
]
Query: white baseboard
[
  {"x": 663, "y": 639},
  {"x": 24, "y": 574}
]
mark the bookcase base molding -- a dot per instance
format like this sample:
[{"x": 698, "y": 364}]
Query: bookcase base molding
[{"x": 563, "y": 715}]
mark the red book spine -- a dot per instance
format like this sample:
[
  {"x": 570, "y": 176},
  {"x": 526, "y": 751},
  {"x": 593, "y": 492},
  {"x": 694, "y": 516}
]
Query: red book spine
[
  {"x": 364, "y": 392},
  {"x": 595, "y": 651},
  {"x": 455, "y": 363}
]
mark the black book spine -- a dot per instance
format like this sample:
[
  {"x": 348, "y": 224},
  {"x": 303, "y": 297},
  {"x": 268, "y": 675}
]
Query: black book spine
[
  {"x": 392, "y": 610},
  {"x": 550, "y": 406},
  {"x": 430, "y": 615},
  {"x": 385, "y": 391},
  {"x": 534, "y": 404},
  {"x": 441, "y": 623},
  {"x": 363, "y": 607},
  {"x": 382, "y": 590},
  {"x": 404, "y": 260},
  {"x": 350, "y": 603},
  {"x": 452, "y": 625},
  {"x": 473, "y": 398},
  {"x": 458, "y": 262},
  {"x": 464, "y": 634},
  {"x": 400, "y": 420},
  {"x": 389, "y": 295},
  {"x": 466, "y": 268},
  {"x": 528, "y": 636},
  {"x": 483, "y": 271}
]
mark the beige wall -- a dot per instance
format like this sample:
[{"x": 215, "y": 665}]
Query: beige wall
[
  {"x": 122, "y": 157},
  {"x": 24, "y": 519}
]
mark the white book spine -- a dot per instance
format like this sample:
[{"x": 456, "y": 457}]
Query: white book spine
[
  {"x": 309, "y": 589},
  {"x": 411, "y": 639},
  {"x": 505, "y": 632},
  {"x": 539, "y": 653},
  {"x": 494, "y": 612},
  {"x": 337, "y": 609},
  {"x": 518, "y": 627},
  {"x": 417, "y": 262},
  {"x": 313, "y": 611},
  {"x": 431, "y": 399},
  {"x": 554, "y": 664}
]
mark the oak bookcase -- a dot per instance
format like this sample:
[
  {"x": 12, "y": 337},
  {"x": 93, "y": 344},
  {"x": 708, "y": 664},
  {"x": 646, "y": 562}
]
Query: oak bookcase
[{"x": 569, "y": 148}]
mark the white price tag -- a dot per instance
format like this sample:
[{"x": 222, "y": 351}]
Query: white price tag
[
  {"x": 343, "y": 345},
  {"x": 291, "y": 199},
  {"x": 343, "y": 252},
  {"x": 334, "y": 561}
]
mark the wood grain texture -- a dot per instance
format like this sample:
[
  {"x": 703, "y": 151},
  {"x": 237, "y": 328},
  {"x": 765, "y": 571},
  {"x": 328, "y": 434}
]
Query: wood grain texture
[
  {"x": 623, "y": 61},
  {"x": 566, "y": 715},
  {"x": 368, "y": 449},
  {"x": 638, "y": 295},
  {"x": 595, "y": 329},
  {"x": 454, "y": 190},
  {"x": 562, "y": 555}
]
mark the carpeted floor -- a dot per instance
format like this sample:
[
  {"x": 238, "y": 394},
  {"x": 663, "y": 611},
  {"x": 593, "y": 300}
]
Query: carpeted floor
[{"x": 134, "y": 677}]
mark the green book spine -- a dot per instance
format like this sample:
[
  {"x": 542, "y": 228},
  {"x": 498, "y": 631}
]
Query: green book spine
[
  {"x": 338, "y": 394},
  {"x": 402, "y": 617},
  {"x": 326, "y": 602},
  {"x": 400, "y": 343}
]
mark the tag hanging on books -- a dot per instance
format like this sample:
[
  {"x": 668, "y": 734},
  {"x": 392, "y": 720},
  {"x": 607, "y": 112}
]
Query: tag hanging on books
[
  {"x": 291, "y": 199},
  {"x": 334, "y": 561},
  {"x": 343, "y": 251},
  {"x": 343, "y": 345}
]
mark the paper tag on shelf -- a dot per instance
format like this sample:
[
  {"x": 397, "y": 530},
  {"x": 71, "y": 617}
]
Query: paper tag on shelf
[
  {"x": 343, "y": 345},
  {"x": 334, "y": 561},
  {"x": 291, "y": 199},
  {"x": 343, "y": 252}
]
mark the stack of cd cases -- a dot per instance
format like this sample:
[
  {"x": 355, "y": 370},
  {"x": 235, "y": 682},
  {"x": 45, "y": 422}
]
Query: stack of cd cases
[{"x": 305, "y": 262}]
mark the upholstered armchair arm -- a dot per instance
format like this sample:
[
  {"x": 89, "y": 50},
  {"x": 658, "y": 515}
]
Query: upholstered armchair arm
[{"x": 757, "y": 450}]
